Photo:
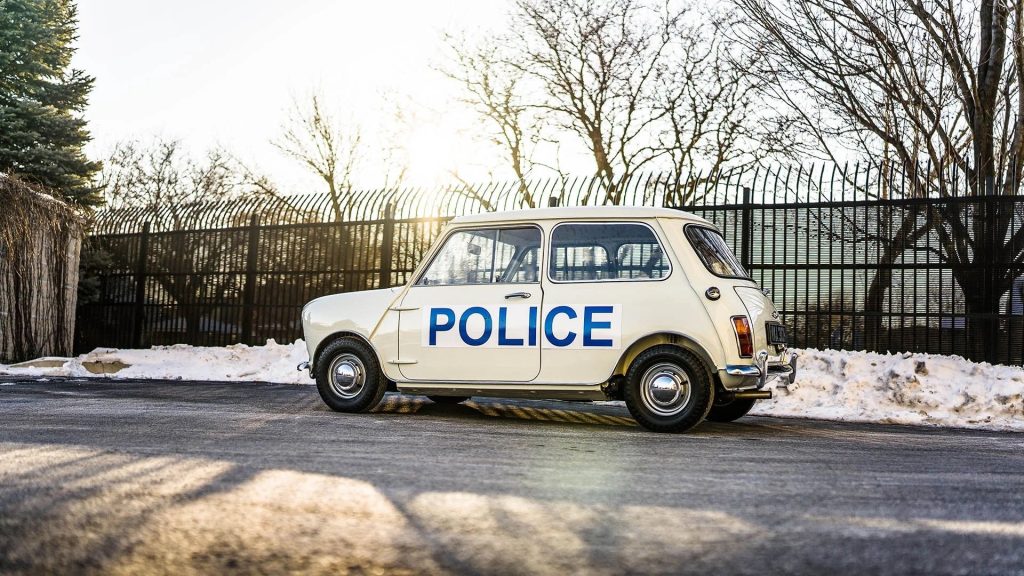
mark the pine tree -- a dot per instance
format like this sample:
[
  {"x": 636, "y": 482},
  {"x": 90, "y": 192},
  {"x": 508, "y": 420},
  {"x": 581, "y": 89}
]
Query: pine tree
[{"x": 42, "y": 132}]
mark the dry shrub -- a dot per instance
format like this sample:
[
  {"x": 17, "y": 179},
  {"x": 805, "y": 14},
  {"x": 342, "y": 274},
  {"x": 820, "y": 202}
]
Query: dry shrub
[{"x": 40, "y": 239}]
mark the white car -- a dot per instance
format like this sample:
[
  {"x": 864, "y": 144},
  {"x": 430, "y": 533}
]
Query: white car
[{"x": 646, "y": 305}]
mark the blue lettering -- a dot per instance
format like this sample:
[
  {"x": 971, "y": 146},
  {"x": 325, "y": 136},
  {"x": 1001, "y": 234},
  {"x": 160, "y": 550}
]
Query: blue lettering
[
  {"x": 533, "y": 325},
  {"x": 589, "y": 325},
  {"x": 550, "y": 321},
  {"x": 435, "y": 327},
  {"x": 504, "y": 340},
  {"x": 487, "y": 325}
]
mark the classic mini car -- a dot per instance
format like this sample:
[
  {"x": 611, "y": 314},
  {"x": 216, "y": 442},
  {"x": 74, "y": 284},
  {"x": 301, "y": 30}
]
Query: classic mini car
[{"x": 647, "y": 305}]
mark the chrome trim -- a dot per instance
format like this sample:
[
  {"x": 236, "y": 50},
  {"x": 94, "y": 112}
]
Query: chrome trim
[
  {"x": 665, "y": 389},
  {"x": 484, "y": 390},
  {"x": 761, "y": 360},
  {"x": 743, "y": 370},
  {"x": 763, "y": 371},
  {"x": 347, "y": 375}
]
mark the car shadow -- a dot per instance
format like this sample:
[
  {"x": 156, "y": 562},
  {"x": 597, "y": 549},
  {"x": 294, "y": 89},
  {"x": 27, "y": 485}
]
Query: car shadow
[{"x": 537, "y": 411}]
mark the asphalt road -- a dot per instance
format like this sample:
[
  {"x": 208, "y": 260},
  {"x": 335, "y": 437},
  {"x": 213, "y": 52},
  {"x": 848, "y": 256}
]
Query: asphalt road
[{"x": 182, "y": 477}]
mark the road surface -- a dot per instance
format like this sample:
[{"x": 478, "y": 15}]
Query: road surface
[{"x": 188, "y": 477}]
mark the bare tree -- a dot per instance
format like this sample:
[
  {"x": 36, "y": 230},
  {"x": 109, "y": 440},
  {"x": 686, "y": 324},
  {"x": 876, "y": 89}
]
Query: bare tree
[
  {"x": 173, "y": 189},
  {"x": 164, "y": 178},
  {"x": 494, "y": 87},
  {"x": 929, "y": 85},
  {"x": 715, "y": 116},
  {"x": 597, "y": 65},
  {"x": 641, "y": 84},
  {"x": 328, "y": 148}
]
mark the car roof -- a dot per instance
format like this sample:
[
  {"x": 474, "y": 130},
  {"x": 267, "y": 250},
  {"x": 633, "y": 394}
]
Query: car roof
[{"x": 579, "y": 213}]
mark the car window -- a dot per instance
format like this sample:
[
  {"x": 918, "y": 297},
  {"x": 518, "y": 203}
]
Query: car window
[
  {"x": 485, "y": 256},
  {"x": 524, "y": 268},
  {"x": 641, "y": 260},
  {"x": 714, "y": 252},
  {"x": 598, "y": 252},
  {"x": 579, "y": 263}
]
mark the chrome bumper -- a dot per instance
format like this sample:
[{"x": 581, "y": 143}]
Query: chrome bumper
[{"x": 763, "y": 371}]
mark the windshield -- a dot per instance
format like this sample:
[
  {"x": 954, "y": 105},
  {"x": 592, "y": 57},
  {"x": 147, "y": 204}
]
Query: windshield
[{"x": 714, "y": 252}]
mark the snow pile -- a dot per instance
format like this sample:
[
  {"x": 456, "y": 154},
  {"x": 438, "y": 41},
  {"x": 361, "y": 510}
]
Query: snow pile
[
  {"x": 901, "y": 389},
  {"x": 270, "y": 363},
  {"x": 831, "y": 385}
]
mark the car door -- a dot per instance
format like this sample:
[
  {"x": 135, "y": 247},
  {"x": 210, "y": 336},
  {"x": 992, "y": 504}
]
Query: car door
[
  {"x": 473, "y": 314},
  {"x": 605, "y": 288}
]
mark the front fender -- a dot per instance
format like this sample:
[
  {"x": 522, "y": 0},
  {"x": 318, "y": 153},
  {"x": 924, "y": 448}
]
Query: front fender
[{"x": 352, "y": 312}]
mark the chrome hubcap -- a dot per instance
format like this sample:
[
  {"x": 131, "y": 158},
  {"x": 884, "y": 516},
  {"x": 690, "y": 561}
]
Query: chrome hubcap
[
  {"x": 665, "y": 389},
  {"x": 347, "y": 375}
]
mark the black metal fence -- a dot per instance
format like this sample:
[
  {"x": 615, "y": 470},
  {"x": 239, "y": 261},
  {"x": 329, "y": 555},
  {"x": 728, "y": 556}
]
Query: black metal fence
[{"x": 856, "y": 257}]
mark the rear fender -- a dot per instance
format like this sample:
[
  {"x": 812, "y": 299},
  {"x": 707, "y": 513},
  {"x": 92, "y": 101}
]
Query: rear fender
[{"x": 672, "y": 338}]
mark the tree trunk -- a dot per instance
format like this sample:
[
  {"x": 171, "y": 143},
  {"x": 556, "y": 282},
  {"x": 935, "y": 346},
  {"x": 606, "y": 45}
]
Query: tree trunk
[
  {"x": 906, "y": 235},
  {"x": 193, "y": 319}
]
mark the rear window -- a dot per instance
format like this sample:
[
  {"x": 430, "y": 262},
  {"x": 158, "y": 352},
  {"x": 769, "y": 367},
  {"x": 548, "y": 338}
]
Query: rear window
[{"x": 714, "y": 252}]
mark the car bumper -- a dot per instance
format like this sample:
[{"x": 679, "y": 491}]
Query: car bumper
[{"x": 764, "y": 370}]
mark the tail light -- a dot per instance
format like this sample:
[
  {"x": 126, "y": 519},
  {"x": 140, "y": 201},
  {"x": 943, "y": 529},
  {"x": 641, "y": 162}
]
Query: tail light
[{"x": 744, "y": 336}]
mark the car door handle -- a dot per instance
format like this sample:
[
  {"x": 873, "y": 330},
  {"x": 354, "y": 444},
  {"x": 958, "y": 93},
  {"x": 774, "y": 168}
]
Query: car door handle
[{"x": 517, "y": 295}]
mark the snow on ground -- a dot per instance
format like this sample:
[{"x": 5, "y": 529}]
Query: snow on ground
[
  {"x": 832, "y": 385},
  {"x": 901, "y": 389},
  {"x": 270, "y": 363}
]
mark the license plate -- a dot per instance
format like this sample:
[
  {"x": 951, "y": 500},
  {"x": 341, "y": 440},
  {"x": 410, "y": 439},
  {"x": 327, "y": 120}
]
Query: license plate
[{"x": 776, "y": 333}]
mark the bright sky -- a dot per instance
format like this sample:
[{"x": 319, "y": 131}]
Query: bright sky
[{"x": 223, "y": 72}]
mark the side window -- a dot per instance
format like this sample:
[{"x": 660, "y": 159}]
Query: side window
[
  {"x": 714, "y": 252},
  {"x": 596, "y": 252},
  {"x": 642, "y": 260},
  {"x": 516, "y": 259},
  {"x": 466, "y": 258},
  {"x": 485, "y": 256},
  {"x": 579, "y": 263}
]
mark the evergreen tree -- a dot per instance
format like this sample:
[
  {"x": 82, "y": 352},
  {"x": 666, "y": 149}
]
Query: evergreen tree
[{"x": 42, "y": 132}]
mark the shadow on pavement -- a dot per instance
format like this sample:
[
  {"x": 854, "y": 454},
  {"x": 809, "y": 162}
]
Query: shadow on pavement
[
  {"x": 184, "y": 480},
  {"x": 403, "y": 404}
]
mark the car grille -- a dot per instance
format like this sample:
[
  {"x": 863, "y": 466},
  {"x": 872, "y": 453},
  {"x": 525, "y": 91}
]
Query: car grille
[{"x": 776, "y": 333}]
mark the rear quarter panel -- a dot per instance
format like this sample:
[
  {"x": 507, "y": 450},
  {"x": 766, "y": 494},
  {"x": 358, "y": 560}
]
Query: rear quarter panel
[{"x": 719, "y": 312}]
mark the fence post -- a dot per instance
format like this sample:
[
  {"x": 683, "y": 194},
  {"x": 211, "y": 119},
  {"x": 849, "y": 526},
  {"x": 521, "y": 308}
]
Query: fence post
[
  {"x": 387, "y": 246},
  {"x": 140, "y": 287},
  {"x": 249, "y": 293},
  {"x": 747, "y": 225}
]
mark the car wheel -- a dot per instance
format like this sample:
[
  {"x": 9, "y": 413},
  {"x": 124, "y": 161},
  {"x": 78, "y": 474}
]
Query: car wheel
[
  {"x": 448, "y": 399},
  {"x": 732, "y": 411},
  {"x": 348, "y": 376},
  {"x": 668, "y": 389}
]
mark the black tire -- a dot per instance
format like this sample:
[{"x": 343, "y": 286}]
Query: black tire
[
  {"x": 350, "y": 353},
  {"x": 657, "y": 409},
  {"x": 730, "y": 412},
  {"x": 448, "y": 400}
]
